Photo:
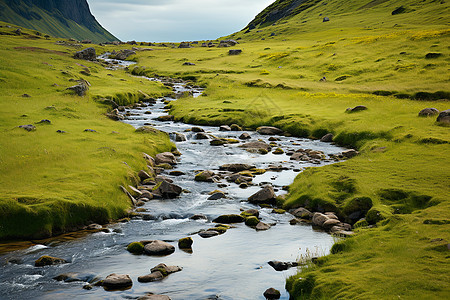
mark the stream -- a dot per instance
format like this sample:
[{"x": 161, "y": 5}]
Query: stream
[{"x": 233, "y": 265}]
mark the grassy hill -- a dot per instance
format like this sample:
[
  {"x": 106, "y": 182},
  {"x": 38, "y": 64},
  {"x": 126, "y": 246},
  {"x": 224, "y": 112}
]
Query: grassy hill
[
  {"x": 64, "y": 19},
  {"x": 52, "y": 181},
  {"x": 396, "y": 64}
]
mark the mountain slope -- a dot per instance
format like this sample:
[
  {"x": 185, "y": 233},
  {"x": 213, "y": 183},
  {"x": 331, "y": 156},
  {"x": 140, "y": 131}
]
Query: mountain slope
[{"x": 69, "y": 19}]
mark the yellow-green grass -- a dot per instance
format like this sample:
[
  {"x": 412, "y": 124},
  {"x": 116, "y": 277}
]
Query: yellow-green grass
[
  {"x": 403, "y": 157},
  {"x": 53, "y": 182}
]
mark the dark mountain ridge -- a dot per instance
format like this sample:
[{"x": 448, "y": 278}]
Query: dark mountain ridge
[{"x": 55, "y": 17}]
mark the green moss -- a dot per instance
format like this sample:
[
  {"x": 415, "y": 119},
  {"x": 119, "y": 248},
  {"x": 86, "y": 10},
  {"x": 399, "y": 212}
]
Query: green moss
[
  {"x": 135, "y": 248},
  {"x": 251, "y": 221}
]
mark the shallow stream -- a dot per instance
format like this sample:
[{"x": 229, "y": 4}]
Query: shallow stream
[{"x": 229, "y": 266}]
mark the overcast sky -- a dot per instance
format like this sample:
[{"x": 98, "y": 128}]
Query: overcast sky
[{"x": 174, "y": 20}]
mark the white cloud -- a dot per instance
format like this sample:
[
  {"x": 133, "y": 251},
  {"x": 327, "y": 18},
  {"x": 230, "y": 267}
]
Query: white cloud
[{"x": 175, "y": 20}]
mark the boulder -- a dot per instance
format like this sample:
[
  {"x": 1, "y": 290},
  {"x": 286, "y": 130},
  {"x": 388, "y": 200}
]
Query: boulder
[
  {"x": 185, "y": 45},
  {"x": 185, "y": 243},
  {"x": 168, "y": 190},
  {"x": 155, "y": 276},
  {"x": 122, "y": 54},
  {"x": 428, "y": 112},
  {"x": 250, "y": 212},
  {"x": 272, "y": 294},
  {"x": 269, "y": 130},
  {"x": 302, "y": 213},
  {"x": 262, "y": 226},
  {"x": 159, "y": 248},
  {"x": 48, "y": 261},
  {"x": 229, "y": 219},
  {"x": 234, "y": 52},
  {"x": 74, "y": 277},
  {"x": 205, "y": 176},
  {"x": 198, "y": 217},
  {"x": 235, "y": 127},
  {"x": 265, "y": 195},
  {"x": 208, "y": 233},
  {"x": 282, "y": 266},
  {"x": 165, "y": 118},
  {"x": 444, "y": 117},
  {"x": 166, "y": 270},
  {"x": 326, "y": 19},
  {"x": 86, "y": 54},
  {"x": 80, "y": 89},
  {"x": 328, "y": 224},
  {"x": 256, "y": 145},
  {"x": 197, "y": 129},
  {"x": 201, "y": 136},
  {"x": 236, "y": 167},
  {"x": 318, "y": 219},
  {"x": 176, "y": 173},
  {"x": 135, "y": 248},
  {"x": 245, "y": 136},
  {"x": 179, "y": 137},
  {"x": 350, "y": 153},
  {"x": 143, "y": 175},
  {"x": 116, "y": 281},
  {"x": 251, "y": 221},
  {"x": 224, "y": 128},
  {"x": 216, "y": 196},
  {"x": 28, "y": 127},
  {"x": 165, "y": 158},
  {"x": 356, "y": 109},
  {"x": 327, "y": 138}
]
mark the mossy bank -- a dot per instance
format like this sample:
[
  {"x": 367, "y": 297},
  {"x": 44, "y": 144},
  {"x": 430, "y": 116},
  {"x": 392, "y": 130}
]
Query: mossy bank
[{"x": 58, "y": 177}]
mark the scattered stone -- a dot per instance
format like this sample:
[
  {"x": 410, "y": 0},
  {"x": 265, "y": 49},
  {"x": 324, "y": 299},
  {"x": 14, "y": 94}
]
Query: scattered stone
[
  {"x": 229, "y": 219},
  {"x": 302, "y": 213},
  {"x": 115, "y": 115},
  {"x": 245, "y": 136},
  {"x": 205, "y": 176},
  {"x": 224, "y": 128},
  {"x": 235, "y": 127},
  {"x": 168, "y": 190},
  {"x": 28, "y": 127},
  {"x": 256, "y": 146},
  {"x": 201, "y": 136},
  {"x": 444, "y": 117},
  {"x": 269, "y": 130},
  {"x": 89, "y": 130},
  {"x": 250, "y": 212},
  {"x": 234, "y": 52},
  {"x": 326, "y": 19},
  {"x": 48, "y": 261},
  {"x": 350, "y": 153},
  {"x": 74, "y": 277},
  {"x": 265, "y": 195},
  {"x": 236, "y": 167},
  {"x": 428, "y": 112},
  {"x": 165, "y": 158},
  {"x": 176, "y": 173},
  {"x": 262, "y": 226},
  {"x": 179, "y": 137},
  {"x": 185, "y": 45},
  {"x": 318, "y": 219},
  {"x": 208, "y": 233},
  {"x": 188, "y": 64},
  {"x": 123, "y": 54},
  {"x": 165, "y": 118},
  {"x": 155, "y": 276},
  {"x": 154, "y": 297},
  {"x": 356, "y": 109},
  {"x": 143, "y": 175},
  {"x": 86, "y": 54},
  {"x": 217, "y": 196},
  {"x": 252, "y": 221},
  {"x": 198, "y": 217},
  {"x": 115, "y": 281},
  {"x": 26, "y": 96},
  {"x": 327, "y": 138},
  {"x": 197, "y": 129},
  {"x": 185, "y": 243},
  {"x": 272, "y": 294},
  {"x": 282, "y": 266},
  {"x": 278, "y": 151},
  {"x": 158, "y": 248},
  {"x": 80, "y": 89}
]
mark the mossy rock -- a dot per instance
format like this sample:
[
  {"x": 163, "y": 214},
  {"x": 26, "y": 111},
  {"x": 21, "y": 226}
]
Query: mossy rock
[
  {"x": 250, "y": 213},
  {"x": 263, "y": 151},
  {"x": 136, "y": 248},
  {"x": 219, "y": 229},
  {"x": 246, "y": 173},
  {"x": 342, "y": 78},
  {"x": 279, "y": 211},
  {"x": 258, "y": 171},
  {"x": 362, "y": 204},
  {"x": 375, "y": 215},
  {"x": 185, "y": 243},
  {"x": 217, "y": 142},
  {"x": 48, "y": 261},
  {"x": 251, "y": 221},
  {"x": 165, "y": 166},
  {"x": 235, "y": 127},
  {"x": 278, "y": 151},
  {"x": 361, "y": 223}
]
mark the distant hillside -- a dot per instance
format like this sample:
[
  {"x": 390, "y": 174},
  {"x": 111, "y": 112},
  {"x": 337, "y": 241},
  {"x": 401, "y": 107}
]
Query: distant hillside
[
  {"x": 282, "y": 10},
  {"x": 68, "y": 19}
]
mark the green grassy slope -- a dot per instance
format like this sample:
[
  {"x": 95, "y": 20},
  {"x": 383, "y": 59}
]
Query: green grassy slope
[
  {"x": 52, "y": 182},
  {"x": 369, "y": 57},
  {"x": 49, "y": 22}
]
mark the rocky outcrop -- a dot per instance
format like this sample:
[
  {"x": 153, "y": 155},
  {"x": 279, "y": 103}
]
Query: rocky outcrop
[{"x": 86, "y": 54}]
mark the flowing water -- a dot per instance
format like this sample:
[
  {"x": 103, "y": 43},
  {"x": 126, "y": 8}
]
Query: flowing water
[{"x": 229, "y": 266}]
